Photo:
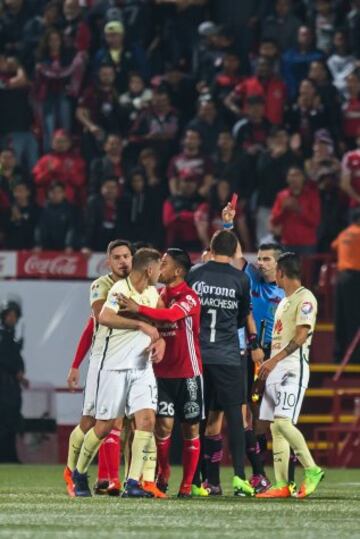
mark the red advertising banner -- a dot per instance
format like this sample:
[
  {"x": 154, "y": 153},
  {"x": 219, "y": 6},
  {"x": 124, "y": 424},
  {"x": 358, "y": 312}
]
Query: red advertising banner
[{"x": 51, "y": 265}]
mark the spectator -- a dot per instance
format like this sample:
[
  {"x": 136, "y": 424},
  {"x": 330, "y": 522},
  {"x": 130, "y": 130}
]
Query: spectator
[
  {"x": 57, "y": 226},
  {"x": 330, "y": 98},
  {"x": 136, "y": 99},
  {"x": 272, "y": 168},
  {"x": 138, "y": 208},
  {"x": 104, "y": 220},
  {"x": 14, "y": 15},
  {"x": 190, "y": 163},
  {"x": 307, "y": 115},
  {"x": 23, "y": 217},
  {"x": 268, "y": 49},
  {"x": 282, "y": 25},
  {"x": 296, "y": 61},
  {"x": 108, "y": 166},
  {"x": 323, "y": 160},
  {"x": 63, "y": 165},
  {"x": 59, "y": 75},
  {"x": 179, "y": 216},
  {"x": 208, "y": 57},
  {"x": 36, "y": 27},
  {"x": 11, "y": 380},
  {"x": 351, "y": 111},
  {"x": 181, "y": 20},
  {"x": 115, "y": 54},
  {"x": 333, "y": 208},
  {"x": 252, "y": 130},
  {"x": 295, "y": 216},
  {"x": 99, "y": 111},
  {"x": 208, "y": 123},
  {"x": 158, "y": 126},
  {"x": 16, "y": 112},
  {"x": 75, "y": 31},
  {"x": 226, "y": 81},
  {"x": 208, "y": 218},
  {"x": 10, "y": 174},
  {"x": 350, "y": 177},
  {"x": 149, "y": 162},
  {"x": 234, "y": 165},
  {"x": 324, "y": 24},
  {"x": 347, "y": 296},
  {"x": 353, "y": 27},
  {"x": 180, "y": 87},
  {"x": 341, "y": 63},
  {"x": 264, "y": 84}
]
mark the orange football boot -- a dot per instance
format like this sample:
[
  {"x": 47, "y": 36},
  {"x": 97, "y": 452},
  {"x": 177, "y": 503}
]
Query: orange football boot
[
  {"x": 150, "y": 486},
  {"x": 282, "y": 491},
  {"x": 69, "y": 482},
  {"x": 114, "y": 488}
]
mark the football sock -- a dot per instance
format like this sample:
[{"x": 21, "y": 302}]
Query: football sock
[
  {"x": 110, "y": 449},
  {"x": 103, "y": 472},
  {"x": 88, "y": 451},
  {"x": 190, "y": 459},
  {"x": 163, "y": 452},
  {"x": 235, "y": 427},
  {"x": 281, "y": 453},
  {"x": 297, "y": 442},
  {"x": 76, "y": 439},
  {"x": 126, "y": 442},
  {"x": 262, "y": 441},
  {"x": 139, "y": 452},
  {"x": 292, "y": 466},
  {"x": 213, "y": 454},
  {"x": 149, "y": 470},
  {"x": 253, "y": 453}
]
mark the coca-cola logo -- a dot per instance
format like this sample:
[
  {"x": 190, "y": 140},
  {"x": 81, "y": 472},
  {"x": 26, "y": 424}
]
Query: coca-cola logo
[{"x": 60, "y": 265}]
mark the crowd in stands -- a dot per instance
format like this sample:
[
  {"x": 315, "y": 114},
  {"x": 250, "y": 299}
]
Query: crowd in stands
[{"x": 140, "y": 118}]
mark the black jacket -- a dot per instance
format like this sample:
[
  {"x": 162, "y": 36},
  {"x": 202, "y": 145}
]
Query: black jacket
[
  {"x": 11, "y": 363},
  {"x": 57, "y": 228}
]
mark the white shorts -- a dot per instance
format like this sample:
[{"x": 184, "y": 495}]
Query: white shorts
[
  {"x": 281, "y": 400},
  {"x": 90, "y": 387},
  {"x": 123, "y": 393}
]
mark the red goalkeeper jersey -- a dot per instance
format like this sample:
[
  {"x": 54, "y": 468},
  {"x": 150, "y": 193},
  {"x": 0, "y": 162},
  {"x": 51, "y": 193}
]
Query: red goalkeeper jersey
[{"x": 180, "y": 329}]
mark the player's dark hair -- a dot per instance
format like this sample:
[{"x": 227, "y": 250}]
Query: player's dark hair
[
  {"x": 143, "y": 257},
  {"x": 224, "y": 242},
  {"x": 272, "y": 246},
  {"x": 181, "y": 258},
  {"x": 289, "y": 263},
  {"x": 119, "y": 243}
]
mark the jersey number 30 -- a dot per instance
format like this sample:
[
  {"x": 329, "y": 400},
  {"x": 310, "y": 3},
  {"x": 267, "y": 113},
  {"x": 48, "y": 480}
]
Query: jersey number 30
[{"x": 212, "y": 313}]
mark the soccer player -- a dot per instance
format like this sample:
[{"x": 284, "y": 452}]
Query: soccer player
[
  {"x": 126, "y": 383},
  {"x": 287, "y": 376},
  {"x": 119, "y": 258},
  {"x": 179, "y": 375},
  {"x": 224, "y": 293}
]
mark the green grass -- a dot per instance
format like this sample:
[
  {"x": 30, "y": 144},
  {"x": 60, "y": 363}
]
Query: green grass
[{"x": 33, "y": 504}]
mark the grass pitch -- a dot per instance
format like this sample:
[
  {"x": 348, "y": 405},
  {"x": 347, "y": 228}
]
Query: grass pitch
[{"x": 33, "y": 504}]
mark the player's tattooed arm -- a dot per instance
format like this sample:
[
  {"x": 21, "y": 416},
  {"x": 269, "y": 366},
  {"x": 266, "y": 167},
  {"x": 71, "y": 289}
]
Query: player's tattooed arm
[{"x": 291, "y": 347}]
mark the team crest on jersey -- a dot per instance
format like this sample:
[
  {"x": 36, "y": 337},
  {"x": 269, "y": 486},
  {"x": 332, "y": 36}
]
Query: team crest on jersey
[
  {"x": 278, "y": 326},
  {"x": 307, "y": 307}
]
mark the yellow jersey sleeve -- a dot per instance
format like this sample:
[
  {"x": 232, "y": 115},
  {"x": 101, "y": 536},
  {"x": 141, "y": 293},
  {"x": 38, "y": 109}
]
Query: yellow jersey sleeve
[
  {"x": 306, "y": 310},
  {"x": 99, "y": 289}
]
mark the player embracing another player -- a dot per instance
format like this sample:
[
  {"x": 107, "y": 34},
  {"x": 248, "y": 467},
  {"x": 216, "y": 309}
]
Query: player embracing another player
[{"x": 179, "y": 375}]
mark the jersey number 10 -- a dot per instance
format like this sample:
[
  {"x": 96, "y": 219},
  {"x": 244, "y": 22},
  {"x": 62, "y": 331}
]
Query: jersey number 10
[{"x": 212, "y": 313}]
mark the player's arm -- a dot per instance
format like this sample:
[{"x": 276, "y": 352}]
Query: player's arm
[
  {"x": 300, "y": 337},
  {"x": 82, "y": 349},
  {"x": 257, "y": 353},
  {"x": 110, "y": 319},
  {"x": 173, "y": 314}
]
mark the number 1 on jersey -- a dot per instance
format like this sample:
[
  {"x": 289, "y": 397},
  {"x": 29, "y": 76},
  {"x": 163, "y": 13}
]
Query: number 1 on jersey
[{"x": 212, "y": 313}]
